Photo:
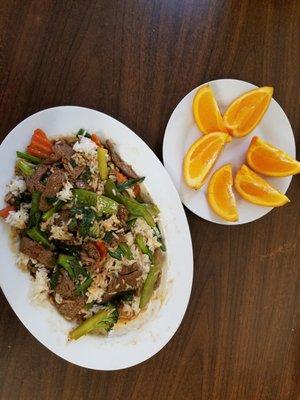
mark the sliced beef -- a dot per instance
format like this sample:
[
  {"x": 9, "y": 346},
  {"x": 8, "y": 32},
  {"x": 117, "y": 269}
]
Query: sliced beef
[
  {"x": 71, "y": 308},
  {"x": 90, "y": 256},
  {"x": 122, "y": 165},
  {"x": 62, "y": 151},
  {"x": 38, "y": 252},
  {"x": 54, "y": 184},
  {"x": 128, "y": 278},
  {"x": 74, "y": 173},
  {"x": 33, "y": 182},
  {"x": 65, "y": 286},
  {"x": 122, "y": 214}
]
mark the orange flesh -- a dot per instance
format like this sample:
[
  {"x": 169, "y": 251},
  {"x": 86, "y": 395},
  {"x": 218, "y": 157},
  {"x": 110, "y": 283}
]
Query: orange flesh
[
  {"x": 198, "y": 162},
  {"x": 246, "y": 112},
  {"x": 223, "y": 194},
  {"x": 268, "y": 161}
]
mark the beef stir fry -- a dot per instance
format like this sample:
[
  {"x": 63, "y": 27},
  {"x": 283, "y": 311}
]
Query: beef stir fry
[{"x": 88, "y": 235}]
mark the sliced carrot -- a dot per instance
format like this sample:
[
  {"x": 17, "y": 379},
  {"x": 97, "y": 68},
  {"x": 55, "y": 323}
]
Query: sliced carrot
[
  {"x": 96, "y": 139},
  {"x": 101, "y": 247},
  {"x": 5, "y": 211},
  {"x": 42, "y": 146},
  {"x": 120, "y": 177},
  {"x": 40, "y": 133},
  {"x": 136, "y": 190},
  {"x": 38, "y": 153}
]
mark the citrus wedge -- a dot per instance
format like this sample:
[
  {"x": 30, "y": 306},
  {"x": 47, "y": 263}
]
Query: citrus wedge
[
  {"x": 245, "y": 112},
  {"x": 206, "y": 111},
  {"x": 220, "y": 195},
  {"x": 256, "y": 190},
  {"x": 268, "y": 160},
  {"x": 201, "y": 156}
]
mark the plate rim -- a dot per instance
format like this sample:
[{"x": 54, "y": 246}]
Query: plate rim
[
  {"x": 164, "y": 152},
  {"x": 189, "y": 247}
]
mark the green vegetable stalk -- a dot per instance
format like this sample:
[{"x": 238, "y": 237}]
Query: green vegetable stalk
[
  {"x": 27, "y": 157},
  {"x": 129, "y": 183},
  {"x": 123, "y": 250},
  {"x": 102, "y": 163},
  {"x": 48, "y": 214},
  {"x": 25, "y": 169},
  {"x": 38, "y": 236},
  {"x": 82, "y": 288},
  {"x": 135, "y": 208},
  {"x": 103, "y": 321},
  {"x": 34, "y": 214},
  {"x": 139, "y": 240},
  {"x": 149, "y": 284},
  {"x": 87, "y": 198}
]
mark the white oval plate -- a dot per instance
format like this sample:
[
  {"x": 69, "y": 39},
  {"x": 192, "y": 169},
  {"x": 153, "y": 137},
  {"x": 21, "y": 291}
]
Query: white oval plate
[
  {"x": 143, "y": 340},
  {"x": 182, "y": 131}
]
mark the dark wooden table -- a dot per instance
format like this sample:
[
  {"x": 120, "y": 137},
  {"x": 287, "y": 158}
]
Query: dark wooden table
[{"x": 135, "y": 59}]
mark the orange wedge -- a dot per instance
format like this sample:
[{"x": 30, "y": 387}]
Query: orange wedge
[
  {"x": 206, "y": 111},
  {"x": 201, "y": 157},
  {"x": 220, "y": 195},
  {"x": 244, "y": 114},
  {"x": 255, "y": 189},
  {"x": 268, "y": 160}
]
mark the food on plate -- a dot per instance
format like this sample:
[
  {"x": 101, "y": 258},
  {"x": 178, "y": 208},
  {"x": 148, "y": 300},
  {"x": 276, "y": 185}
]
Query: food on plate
[
  {"x": 245, "y": 112},
  {"x": 89, "y": 233},
  {"x": 256, "y": 190},
  {"x": 268, "y": 160},
  {"x": 206, "y": 111},
  {"x": 220, "y": 195},
  {"x": 201, "y": 157}
]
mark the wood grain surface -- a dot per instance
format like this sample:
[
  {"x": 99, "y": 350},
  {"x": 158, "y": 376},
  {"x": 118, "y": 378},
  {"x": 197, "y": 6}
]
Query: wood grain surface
[{"x": 134, "y": 60}]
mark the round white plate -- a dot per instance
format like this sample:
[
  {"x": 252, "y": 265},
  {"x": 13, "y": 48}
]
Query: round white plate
[
  {"x": 131, "y": 346},
  {"x": 182, "y": 131}
]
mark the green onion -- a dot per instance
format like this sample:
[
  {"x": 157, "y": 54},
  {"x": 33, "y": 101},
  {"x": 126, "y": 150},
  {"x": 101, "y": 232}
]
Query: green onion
[
  {"x": 48, "y": 214},
  {"x": 38, "y": 236},
  {"x": 34, "y": 213},
  {"x": 117, "y": 254},
  {"x": 83, "y": 132},
  {"x": 130, "y": 182},
  {"x": 25, "y": 169},
  {"x": 82, "y": 288},
  {"x": 29, "y": 158},
  {"x": 126, "y": 251},
  {"x": 139, "y": 240}
]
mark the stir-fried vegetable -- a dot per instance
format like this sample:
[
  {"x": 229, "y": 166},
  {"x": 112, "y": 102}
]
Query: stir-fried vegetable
[
  {"x": 29, "y": 158},
  {"x": 35, "y": 234},
  {"x": 103, "y": 321},
  {"x": 72, "y": 266},
  {"x": 48, "y": 214},
  {"x": 95, "y": 138},
  {"x": 140, "y": 241},
  {"x": 54, "y": 279},
  {"x": 149, "y": 284},
  {"x": 83, "y": 132},
  {"x": 158, "y": 234},
  {"x": 25, "y": 169},
  {"x": 129, "y": 183},
  {"x": 134, "y": 207},
  {"x": 103, "y": 204},
  {"x": 102, "y": 163},
  {"x": 83, "y": 287},
  {"x": 117, "y": 254},
  {"x": 5, "y": 211},
  {"x": 34, "y": 213},
  {"x": 40, "y": 146}
]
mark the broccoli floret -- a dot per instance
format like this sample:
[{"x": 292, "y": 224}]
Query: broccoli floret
[{"x": 102, "y": 322}]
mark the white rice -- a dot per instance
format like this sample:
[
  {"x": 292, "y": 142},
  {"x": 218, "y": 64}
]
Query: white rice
[
  {"x": 18, "y": 219},
  {"x": 17, "y": 186},
  {"x": 85, "y": 146},
  {"x": 112, "y": 223},
  {"x": 40, "y": 285},
  {"x": 141, "y": 226},
  {"x": 97, "y": 288},
  {"x": 66, "y": 193},
  {"x": 60, "y": 233}
]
